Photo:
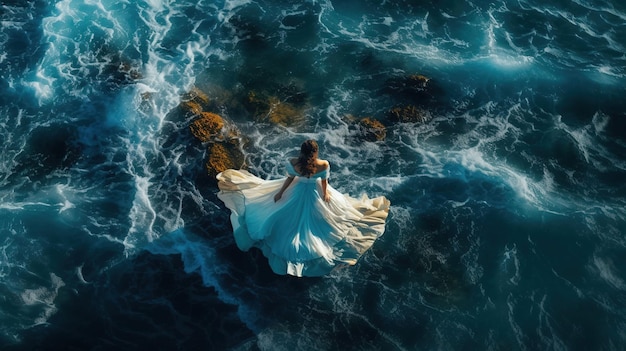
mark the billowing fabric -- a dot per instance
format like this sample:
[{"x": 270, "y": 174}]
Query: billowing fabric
[{"x": 301, "y": 234}]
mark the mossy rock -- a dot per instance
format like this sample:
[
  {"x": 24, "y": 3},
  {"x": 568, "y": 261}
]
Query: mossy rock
[
  {"x": 130, "y": 71},
  {"x": 418, "y": 81},
  {"x": 408, "y": 114},
  {"x": 117, "y": 70},
  {"x": 274, "y": 110},
  {"x": 191, "y": 107},
  {"x": 221, "y": 134},
  {"x": 284, "y": 113},
  {"x": 372, "y": 129},
  {"x": 224, "y": 155},
  {"x": 413, "y": 83},
  {"x": 257, "y": 104},
  {"x": 413, "y": 89},
  {"x": 293, "y": 94},
  {"x": 49, "y": 148},
  {"x": 209, "y": 99},
  {"x": 197, "y": 95},
  {"x": 207, "y": 126}
]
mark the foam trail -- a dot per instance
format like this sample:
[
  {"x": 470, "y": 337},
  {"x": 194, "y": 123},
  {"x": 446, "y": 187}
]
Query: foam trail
[
  {"x": 606, "y": 270},
  {"x": 45, "y": 297},
  {"x": 142, "y": 213},
  {"x": 551, "y": 340},
  {"x": 165, "y": 79}
]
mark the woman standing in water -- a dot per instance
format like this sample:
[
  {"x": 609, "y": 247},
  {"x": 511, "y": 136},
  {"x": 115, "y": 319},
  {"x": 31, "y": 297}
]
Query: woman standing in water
[{"x": 302, "y": 224}]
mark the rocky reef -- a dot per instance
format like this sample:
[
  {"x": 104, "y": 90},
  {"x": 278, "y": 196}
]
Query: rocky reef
[
  {"x": 207, "y": 126},
  {"x": 408, "y": 114},
  {"x": 371, "y": 129},
  {"x": 208, "y": 110},
  {"x": 414, "y": 97},
  {"x": 274, "y": 110},
  {"x": 416, "y": 88},
  {"x": 224, "y": 155},
  {"x": 224, "y": 149}
]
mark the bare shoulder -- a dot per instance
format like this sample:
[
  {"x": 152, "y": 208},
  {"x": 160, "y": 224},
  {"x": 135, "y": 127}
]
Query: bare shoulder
[{"x": 323, "y": 164}]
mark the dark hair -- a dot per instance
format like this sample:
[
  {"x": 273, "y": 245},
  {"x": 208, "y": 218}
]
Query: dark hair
[{"x": 306, "y": 160}]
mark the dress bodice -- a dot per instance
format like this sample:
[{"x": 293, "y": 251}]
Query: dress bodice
[{"x": 324, "y": 174}]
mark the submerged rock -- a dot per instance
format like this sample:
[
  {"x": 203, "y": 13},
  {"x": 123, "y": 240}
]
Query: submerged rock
[
  {"x": 224, "y": 155},
  {"x": 371, "y": 129},
  {"x": 222, "y": 136},
  {"x": 413, "y": 97},
  {"x": 115, "y": 70},
  {"x": 415, "y": 86},
  {"x": 195, "y": 101},
  {"x": 207, "y": 126},
  {"x": 130, "y": 71},
  {"x": 408, "y": 114},
  {"x": 275, "y": 110},
  {"x": 416, "y": 82},
  {"x": 256, "y": 104},
  {"x": 211, "y": 98},
  {"x": 48, "y": 149},
  {"x": 284, "y": 113}
]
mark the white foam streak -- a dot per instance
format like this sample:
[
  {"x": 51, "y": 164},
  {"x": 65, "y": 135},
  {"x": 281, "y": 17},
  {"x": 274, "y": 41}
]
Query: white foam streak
[
  {"x": 14, "y": 206},
  {"x": 409, "y": 38},
  {"x": 41, "y": 86},
  {"x": 5, "y": 261},
  {"x": 498, "y": 55},
  {"x": 53, "y": 197},
  {"x": 103, "y": 233},
  {"x": 79, "y": 274},
  {"x": 577, "y": 290},
  {"x": 607, "y": 7},
  {"x": 473, "y": 160},
  {"x": 585, "y": 140},
  {"x": 230, "y": 5},
  {"x": 65, "y": 204},
  {"x": 386, "y": 184},
  {"x": 551, "y": 340},
  {"x": 229, "y": 9},
  {"x": 43, "y": 296},
  {"x": 473, "y": 269},
  {"x": 517, "y": 330},
  {"x": 511, "y": 264},
  {"x": 343, "y": 304},
  {"x": 142, "y": 214},
  {"x": 607, "y": 271}
]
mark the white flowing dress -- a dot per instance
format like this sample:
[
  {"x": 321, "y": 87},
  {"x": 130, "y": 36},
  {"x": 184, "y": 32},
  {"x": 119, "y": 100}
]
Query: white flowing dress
[{"x": 301, "y": 234}]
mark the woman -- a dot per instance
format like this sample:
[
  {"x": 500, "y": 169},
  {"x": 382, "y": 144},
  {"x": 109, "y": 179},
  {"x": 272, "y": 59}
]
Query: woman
[{"x": 303, "y": 225}]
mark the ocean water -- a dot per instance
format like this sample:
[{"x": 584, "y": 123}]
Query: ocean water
[{"x": 507, "y": 229}]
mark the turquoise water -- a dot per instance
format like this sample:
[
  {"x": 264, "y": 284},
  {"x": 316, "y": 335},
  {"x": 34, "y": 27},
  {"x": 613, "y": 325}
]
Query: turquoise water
[{"x": 508, "y": 215}]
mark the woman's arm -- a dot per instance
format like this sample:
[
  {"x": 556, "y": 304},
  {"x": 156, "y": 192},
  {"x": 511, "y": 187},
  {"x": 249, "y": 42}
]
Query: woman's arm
[
  {"x": 280, "y": 192},
  {"x": 325, "y": 194}
]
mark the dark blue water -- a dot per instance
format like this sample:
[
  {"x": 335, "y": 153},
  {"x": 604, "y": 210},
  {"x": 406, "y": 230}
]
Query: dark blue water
[{"x": 508, "y": 219}]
